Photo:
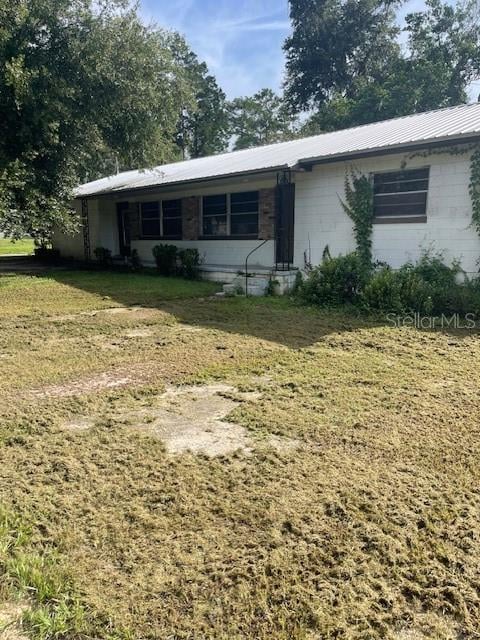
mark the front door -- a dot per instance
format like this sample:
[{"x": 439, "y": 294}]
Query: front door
[{"x": 123, "y": 220}]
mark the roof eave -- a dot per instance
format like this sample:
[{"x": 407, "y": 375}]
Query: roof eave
[
  {"x": 386, "y": 150},
  {"x": 182, "y": 183}
]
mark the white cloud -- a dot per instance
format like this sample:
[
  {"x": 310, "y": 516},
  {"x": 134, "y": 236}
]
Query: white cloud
[{"x": 240, "y": 40}]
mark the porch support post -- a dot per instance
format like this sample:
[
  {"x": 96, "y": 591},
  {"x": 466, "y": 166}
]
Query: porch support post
[
  {"x": 86, "y": 230},
  {"x": 285, "y": 221}
]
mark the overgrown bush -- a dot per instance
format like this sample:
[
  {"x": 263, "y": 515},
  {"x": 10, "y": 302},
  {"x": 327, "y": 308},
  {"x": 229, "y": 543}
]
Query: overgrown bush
[
  {"x": 165, "y": 258},
  {"x": 189, "y": 263},
  {"x": 428, "y": 287},
  {"x": 337, "y": 280},
  {"x": 47, "y": 254},
  {"x": 383, "y": 291},
  {"x": 103, "y": 256},
  {"x": 135, "y": 263}
]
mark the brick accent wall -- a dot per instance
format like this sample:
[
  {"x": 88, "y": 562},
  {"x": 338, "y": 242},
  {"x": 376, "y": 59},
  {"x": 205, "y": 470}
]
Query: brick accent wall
[
  {"x": 266, "y": 214},
  {"x": 190, "y": 218}
]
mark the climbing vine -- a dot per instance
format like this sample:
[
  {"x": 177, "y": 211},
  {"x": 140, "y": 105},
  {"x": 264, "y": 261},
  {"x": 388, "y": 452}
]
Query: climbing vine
[
  {"x": 474, "y": 188},
  {"x": 358, "y": 205},
  {"x": 474, "y": 181}
]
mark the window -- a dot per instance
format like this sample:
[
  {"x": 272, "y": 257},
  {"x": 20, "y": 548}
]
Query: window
[
  {"x": 150, "y": 217},
  {"x": 172, "y": 218},
  {"x": 400, "y": 195},
  {"x": 244, "y": 214},
  {"x": 167, "y": 225},
  {"x": 233, "y": 214},
  {"x": 215, "y": 215}
]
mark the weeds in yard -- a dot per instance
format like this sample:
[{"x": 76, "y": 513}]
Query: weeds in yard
[{"x": 367, "y": 530}]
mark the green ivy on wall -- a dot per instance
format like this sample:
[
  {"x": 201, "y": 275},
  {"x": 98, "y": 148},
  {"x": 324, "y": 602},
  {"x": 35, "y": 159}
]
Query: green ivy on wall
[
  {"x": 358, "y": 205},
  {"x": 474, "y": 188},
  {"x": 474, "y": 181}
]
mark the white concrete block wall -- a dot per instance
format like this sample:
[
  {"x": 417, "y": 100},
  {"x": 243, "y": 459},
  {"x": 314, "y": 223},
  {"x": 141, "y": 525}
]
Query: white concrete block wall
[
  {"x": 70, "y": 246},
  {"x": 320, "y": 219},
  {"x": 103, "y": 231},
  {"x": 215, "y": 252}
]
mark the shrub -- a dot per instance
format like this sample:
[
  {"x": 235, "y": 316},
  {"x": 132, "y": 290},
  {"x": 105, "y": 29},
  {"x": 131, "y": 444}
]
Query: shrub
[
  {"x": 165, "y": 258},
  {"x": 47, "y": 254},
  {"x": 384, "y": 292},
  {"x": 103, "y": 256},
  {"x": 429, "y": 287},
  {"x": 335, "y": 281},
  {"x": 189, "y": 263},
  {"x": 297, "y": 285},
  {"x": 135, "y": 263}
]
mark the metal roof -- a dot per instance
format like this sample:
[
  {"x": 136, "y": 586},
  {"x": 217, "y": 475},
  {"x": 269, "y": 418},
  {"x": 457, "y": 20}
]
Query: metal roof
[{"x": 443, "y": 125}]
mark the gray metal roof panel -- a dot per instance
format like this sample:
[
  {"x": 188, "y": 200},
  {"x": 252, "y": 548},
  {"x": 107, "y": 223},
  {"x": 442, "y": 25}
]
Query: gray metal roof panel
[{"x": 441, "y": 125}]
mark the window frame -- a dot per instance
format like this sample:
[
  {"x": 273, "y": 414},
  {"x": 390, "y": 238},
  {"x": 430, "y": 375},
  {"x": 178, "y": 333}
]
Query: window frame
[
  {"x": 161, "y": 235},
  {"x": 228, "y": 235},
  {"x": 400, "y": 218}
]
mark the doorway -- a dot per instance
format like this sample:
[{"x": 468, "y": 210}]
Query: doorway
[{"x": 124, "y": 236}]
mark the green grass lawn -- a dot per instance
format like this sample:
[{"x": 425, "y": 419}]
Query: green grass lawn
[
  {"x": 347, "y": 507},
  {"x": 7, "y": 247}
]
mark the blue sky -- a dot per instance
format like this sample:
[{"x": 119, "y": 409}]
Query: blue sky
[{"x": 240, "y": 40}]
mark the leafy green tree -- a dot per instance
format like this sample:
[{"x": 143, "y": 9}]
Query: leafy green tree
[
  {"x": 440, "y": 59},
  {"x": 260, "y": 119},
  {"x": 333, "y": 42},
  {"x": 85, "y": 87},
  {"x": 203, "y": 127}
]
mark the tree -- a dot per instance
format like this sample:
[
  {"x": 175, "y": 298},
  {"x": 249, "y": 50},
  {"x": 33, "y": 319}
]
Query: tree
[
  {"x": 260, "y": 119},
  {"x": 333, "y": 42},
  {"x": 203, "y": 127},
  {"x": 441, "y": 57},
  {"x": 84, "y": 87}
]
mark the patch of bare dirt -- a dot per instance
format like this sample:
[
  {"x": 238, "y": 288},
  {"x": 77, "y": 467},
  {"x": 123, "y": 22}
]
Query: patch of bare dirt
[
  {"x": 283, "y": 444},
  {"x": 140, "y": 313},
  {"x": 138, "y": 333},
  {"x": 10, "y": 620},
  {"x": 105, "y": 380},
  {"x": 79, "y": 424},
  {"x": 193, "y": 419}
]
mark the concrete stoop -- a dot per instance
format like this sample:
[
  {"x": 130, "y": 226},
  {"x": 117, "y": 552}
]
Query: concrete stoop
[{"x": 257, "y": 282}]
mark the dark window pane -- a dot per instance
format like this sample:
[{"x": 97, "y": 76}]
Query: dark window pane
[
  {"x": 172, "y": 227},
  {"x": 413, "y": 207},
  {"x": 401, "y": 193},
  {"x": 399, "y": 176},
  {"x": 215, "y": 205},
  {"x": 245, "y": 196},
  {"x": 150, "y": 228},
  {"x": 246, "y": 202},
  {"x": 398, "y": 187},
  {"x": 215, "y": 225},
  {"x": 393, "y": 199},
  {"x": 244, "y": 225},
  {"x": 150, "y": 209},
  {"x": 172, "y": 208},
  {"x": 150, "y": 219}
]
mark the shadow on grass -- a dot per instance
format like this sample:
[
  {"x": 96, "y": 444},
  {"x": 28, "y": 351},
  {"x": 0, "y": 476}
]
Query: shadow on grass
[{"x": 277, "y": 319}]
